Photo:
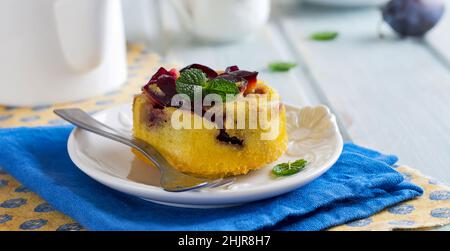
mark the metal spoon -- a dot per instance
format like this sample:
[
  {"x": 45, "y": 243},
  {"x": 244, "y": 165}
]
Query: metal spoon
[{"x": 171, "y": 179}]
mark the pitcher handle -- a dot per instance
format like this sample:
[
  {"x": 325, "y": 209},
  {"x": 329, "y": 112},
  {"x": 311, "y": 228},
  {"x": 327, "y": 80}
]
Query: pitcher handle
[{"x": 185, "y": 18}]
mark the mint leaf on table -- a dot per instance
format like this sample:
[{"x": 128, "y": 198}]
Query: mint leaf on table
[
  {"x": 286, "y": 169},
  {"x": 324, "y": 36},
  {"x": 188, "y": 79},
  {"x": 280, "y": 66},
  {"x": 221, "y": 87}
]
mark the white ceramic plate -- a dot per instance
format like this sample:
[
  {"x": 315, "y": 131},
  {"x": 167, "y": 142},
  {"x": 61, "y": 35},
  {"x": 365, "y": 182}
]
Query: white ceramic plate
[
  {"x": 313, "y": 135},
  {"x": 348, "y": 3}
]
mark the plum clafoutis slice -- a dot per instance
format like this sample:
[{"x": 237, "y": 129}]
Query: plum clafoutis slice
[{"x": 210, "y": 151}]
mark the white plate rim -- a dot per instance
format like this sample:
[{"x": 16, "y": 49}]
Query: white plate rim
[{"x": 157, "y": 194}]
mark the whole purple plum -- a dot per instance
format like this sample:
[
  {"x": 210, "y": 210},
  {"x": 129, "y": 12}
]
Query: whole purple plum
[{"x": 413, "y": 17}]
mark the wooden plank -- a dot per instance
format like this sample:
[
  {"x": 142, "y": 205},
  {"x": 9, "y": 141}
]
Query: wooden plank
[
  {"x": 392, "y": 94},
  {"x": 439, "y": 38}
]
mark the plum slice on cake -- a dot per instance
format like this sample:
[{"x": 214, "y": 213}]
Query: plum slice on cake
[{"x": 220, "y": 148}]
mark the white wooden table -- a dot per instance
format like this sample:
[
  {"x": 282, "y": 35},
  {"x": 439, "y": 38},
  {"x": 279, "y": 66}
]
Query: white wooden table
[{"x": 389, "y": 94}]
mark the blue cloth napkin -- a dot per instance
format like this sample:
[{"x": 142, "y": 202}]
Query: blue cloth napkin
[{"x": 361, "y": 183}]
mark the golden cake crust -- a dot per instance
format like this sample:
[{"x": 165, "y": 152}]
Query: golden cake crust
[{"x": 198, "y": 151}]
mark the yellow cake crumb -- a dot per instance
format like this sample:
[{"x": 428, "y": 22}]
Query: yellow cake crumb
[{"x": 198, "y": 151}]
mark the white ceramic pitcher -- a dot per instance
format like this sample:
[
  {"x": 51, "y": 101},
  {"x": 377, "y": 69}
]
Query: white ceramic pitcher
[
  {"x": 224, "y": 20},
  {"x": 54, "y": 51}
]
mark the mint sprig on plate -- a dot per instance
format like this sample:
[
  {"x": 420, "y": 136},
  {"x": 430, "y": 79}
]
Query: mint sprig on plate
[
  {"x": 289, "y": 168},
  {"x": 191, "y": 78}
]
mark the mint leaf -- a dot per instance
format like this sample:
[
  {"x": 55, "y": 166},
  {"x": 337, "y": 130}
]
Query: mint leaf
[
  {"x": 188, "y": 79},
  {"x": 286, "y": 169},
  {"x": 279, "y": 66},
  {"x": 324, "y": 36},
  {"x": 221, "y": 87},
  {"x": 192, "y": 78}
]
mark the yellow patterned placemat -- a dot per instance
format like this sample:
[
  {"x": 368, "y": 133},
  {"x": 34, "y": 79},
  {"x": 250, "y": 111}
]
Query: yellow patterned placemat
[
  {"x": 432, "y": 209},
  {"x": 21, "y": 209}
]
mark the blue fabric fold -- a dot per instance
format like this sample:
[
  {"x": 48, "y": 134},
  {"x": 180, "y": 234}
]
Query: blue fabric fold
[{"x": 360, "y": 184}]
